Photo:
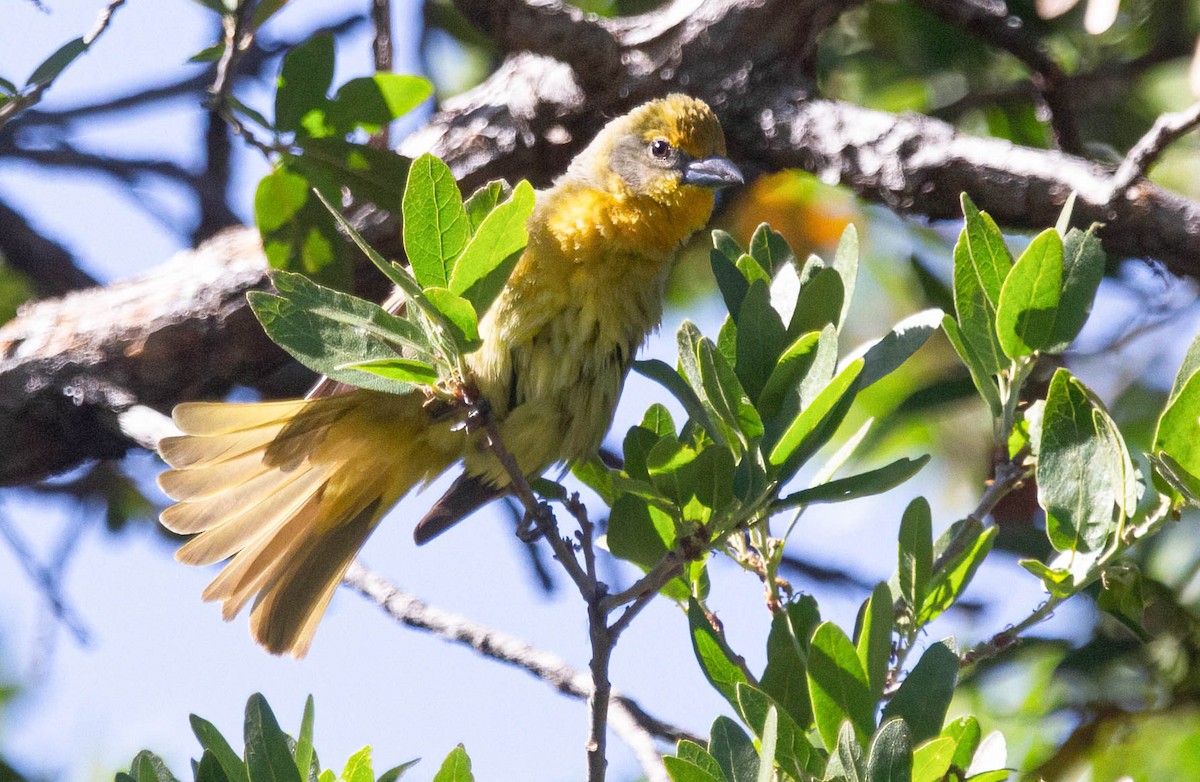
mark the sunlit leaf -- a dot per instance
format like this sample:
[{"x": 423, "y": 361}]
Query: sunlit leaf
[
  {"x": 1027, "y": 312},
  {"x": 435, "y": 222},
  {"x": 371, "y": 102},
  {"x": 456, "y": 767},
  {"x": 838, "y": 685}
]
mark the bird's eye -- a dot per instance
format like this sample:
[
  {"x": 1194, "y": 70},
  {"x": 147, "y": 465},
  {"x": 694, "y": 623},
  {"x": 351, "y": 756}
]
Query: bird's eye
[{"x": 660, "y": 148}]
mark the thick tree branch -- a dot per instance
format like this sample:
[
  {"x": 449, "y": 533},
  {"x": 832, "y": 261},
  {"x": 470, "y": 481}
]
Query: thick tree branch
[{"x": 69, "y": 365}]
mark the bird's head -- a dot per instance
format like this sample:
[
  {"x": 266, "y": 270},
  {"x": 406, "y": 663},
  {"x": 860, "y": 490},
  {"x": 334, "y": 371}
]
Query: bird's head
[
  {"x": 654, "y": 171},
  {"x": 658, "y": 149}
]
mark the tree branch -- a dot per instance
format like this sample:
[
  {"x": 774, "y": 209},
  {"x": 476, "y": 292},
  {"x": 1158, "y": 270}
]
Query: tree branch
[
  {"x": 990, "y": 21},
  {"x": 47, "y": 264}
]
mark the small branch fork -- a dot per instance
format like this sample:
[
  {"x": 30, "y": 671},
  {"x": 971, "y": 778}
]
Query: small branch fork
[{"x": 600, "y": 603}]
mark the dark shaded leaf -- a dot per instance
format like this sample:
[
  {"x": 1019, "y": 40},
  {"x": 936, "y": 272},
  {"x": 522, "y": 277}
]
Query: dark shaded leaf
[
  {"x": 303, "y": 86},
  {"x": 890, "y": 758},
  {"x": 268, "y": 758},
  {"x": 924, "y": 696}
]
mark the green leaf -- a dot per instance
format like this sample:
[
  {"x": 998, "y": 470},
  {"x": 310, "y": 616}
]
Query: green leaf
[
  {"x": 394, "y": 271},
  {"x": 663, "y": 374},
  {"x": 816, "y": 423},
  {"x": 264, "y": 11},
  {"x": 721, "y": 666},
  {"x": 148, "y": 767},
  {"x": 981, "y": 263},
  {"x": 932, "y": 759},
  {"x": 1059, "y": 582},
  {"x": 838, "y": 685},
  {"x": 874, "y": 645},
  {"x": 327, "y": 775},
  {"x": 371, "y": 102},
  {"x": 761, "y": 337},
  {"x": 484, "y": 200},
  {"x": 916, "y": 552},
  {"x": 769, "y": 745},
  {"x": 924, "y": 696},
  {"x": 298, "y": 233},
  {"x": 947, "y": 584},
  {"x": 890, "y": 758},
  {"x": 846, "y": 760},
  {"x": 864, "y": 484},
  {"x": 845, "y": 262},
  {"x": 304, "y": 745},
  {"x": 639, "y": 532},
  {"x": 395, "y": 772},
  {"x": 1083, "y": 268},
  {"x": 734, "y": 751},
  {"x": 727, "y": 245},
  {"x": 1177, "y": 435},
  {"x": 819, "y": 304},
  {"x": 1080, "y": 475},
  {"x": 456, "y": 767},
  {"x": 594, "y": 474},
  {"x": 209, "y": 769},
  {"x": 792, "y": 750},
  {"x": 358, "y": 767},
  {"x": 1028, "y": 307},
  {"x": 459, "y": 313},
  {"x": 211, "y": 739},
  {"x": 267, "y": 755},
  {"x": 887, "y": 354},
  {"x": 730, "y": 281},
  {"x": 303, "y": 88},
  {"x": 979, "y": 373},
  {"x": 785, "y": 377},
  {"x": 785, "y": 678},
  {"x": 207, "y": 54},
  {"x": 770, "y": 249},
  {"x": 699, "y": 756},
  {"x": 52, "y": 66},
  {"x": 402, "y": 370},
  {"x": 373, "y": 175},
  {"x": 435, "y": 222},
  {"x": 727, "y": 400},
  {"x": 489, "y": 257},
  {"x": 966, "y": 735},
  {"x": 680, "y": 770},
  {"x": 312, "y": 327}
]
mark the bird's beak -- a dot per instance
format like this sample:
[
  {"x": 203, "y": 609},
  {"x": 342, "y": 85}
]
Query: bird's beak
[{"x": 714, "y": 172}]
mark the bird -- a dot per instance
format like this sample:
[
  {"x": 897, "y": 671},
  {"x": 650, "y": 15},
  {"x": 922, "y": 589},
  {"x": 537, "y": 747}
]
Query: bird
[{"x": 289, "y": 491}]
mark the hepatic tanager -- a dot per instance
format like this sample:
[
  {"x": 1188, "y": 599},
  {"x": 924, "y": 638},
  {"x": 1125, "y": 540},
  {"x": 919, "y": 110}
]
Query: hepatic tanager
[{"x": 290, "y": 490}]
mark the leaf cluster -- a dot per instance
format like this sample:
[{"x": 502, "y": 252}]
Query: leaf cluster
[{"x": 271, "y": 755}]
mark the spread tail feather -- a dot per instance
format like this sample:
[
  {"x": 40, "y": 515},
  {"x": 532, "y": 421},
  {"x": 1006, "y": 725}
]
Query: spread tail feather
[{"x": 291, "y": 491}]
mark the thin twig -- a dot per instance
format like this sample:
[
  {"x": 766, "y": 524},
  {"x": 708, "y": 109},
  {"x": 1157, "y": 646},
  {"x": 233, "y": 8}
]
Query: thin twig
[
  {"x": 237, "y": 39},
  {"x": 46, "y": 580},
  {"x": 381, "y": 50},
  {"x": 537, "y": 511},
  {"x": 628, "y": 720},
  {"x": 26, "y": 99},
  {"x": 1146, "y": 151}
]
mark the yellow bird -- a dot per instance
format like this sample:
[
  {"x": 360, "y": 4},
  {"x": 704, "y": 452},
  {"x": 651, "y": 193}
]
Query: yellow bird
[{"x": 290, "y": 490}]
